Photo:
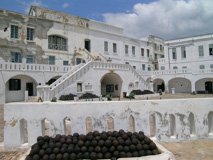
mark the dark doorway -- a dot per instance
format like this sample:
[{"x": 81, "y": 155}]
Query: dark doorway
[
  {"x": 162, "y": 87},
  {"x": 29, "y": 88},
  {"x": 87, "y": 44},
  {"x": 208, "y": 87}
]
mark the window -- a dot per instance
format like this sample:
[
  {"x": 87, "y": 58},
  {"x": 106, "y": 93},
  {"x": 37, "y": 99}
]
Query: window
[
  {"x": 162, "y": 68},
  {"x": 149, "y": 68},
  {"x": 211, "y": 49},
  {"x": 134, "y": 67},
  {"x": 156, "y": 56},
  {"x": 184, "y": 67},
  {"x": 142, "y": 52},
  {"x": 183, "y": 51},
  {"x": 29, "y": 59},
  {"x": 126, "y": 49},
  {"x": 126, "y": 62},
  {"x": 30, "y": 33},
  {"x": 14, "y": 31},
  {"x": 155, "y": 46},
  {"x": 110, "y": 88},
  {"x": 14, "y": 84},
  {"x": 52, "y": 60},
  {"x": 57, "y": 43},
  {"x": 143, "y": 67},
  {"x": 78, "y": 61},
  {"x": 161, "y": 48},
  {"x": 200, "y": 50},
  {"x": 114, "y": 48},
  {"x": 174, "y": 56},
  {"x": 161, "y": 56},
  {"x": 147, "y": 51},
  {"x": 106, "y": 46},
  {"x": 211, "y": 66},
  {"x": 16, "y": 57},
  {"x": 175, "y": 67},
  {"x": 133, "y": 50},
  {"x": 202, "y": 67},
  {"x": 65, "y": 63},
  {"x": 79, "y": 87}
]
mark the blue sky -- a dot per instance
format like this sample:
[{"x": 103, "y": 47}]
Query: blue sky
[
  {"x": 163, "y": 18},
  {"x": 92, "y": 9}
]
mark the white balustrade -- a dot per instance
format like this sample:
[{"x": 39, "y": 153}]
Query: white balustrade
[{"x": 33, "y": 67}]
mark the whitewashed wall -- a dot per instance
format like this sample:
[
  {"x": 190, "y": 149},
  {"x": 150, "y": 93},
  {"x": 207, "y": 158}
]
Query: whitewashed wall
[{"x": 192, "y": 118}]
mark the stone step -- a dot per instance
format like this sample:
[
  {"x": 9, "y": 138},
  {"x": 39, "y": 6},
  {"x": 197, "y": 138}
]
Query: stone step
[{"x": 32, "y": 99}]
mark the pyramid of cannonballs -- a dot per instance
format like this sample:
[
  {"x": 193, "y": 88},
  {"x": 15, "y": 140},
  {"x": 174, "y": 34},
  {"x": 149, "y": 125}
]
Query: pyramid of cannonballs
[{"x": 94, "y": 145}]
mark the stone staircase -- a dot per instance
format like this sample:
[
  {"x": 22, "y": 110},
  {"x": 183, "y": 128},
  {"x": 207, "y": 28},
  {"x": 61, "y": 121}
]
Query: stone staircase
[{"x": 56, "y": 88}]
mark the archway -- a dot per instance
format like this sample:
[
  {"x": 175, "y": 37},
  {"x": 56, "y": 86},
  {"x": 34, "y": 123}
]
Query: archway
[
  {"x": 181, "y": 85},
  {"x": 16, "y": 87},
  {"x": 111, "y": 83},
  {"x": 52, "y": 80},
  {"x": 158, "y": 84},
  {"x": 204, "y": 86}
]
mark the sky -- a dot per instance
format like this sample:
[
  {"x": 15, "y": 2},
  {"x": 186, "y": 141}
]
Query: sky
[{"x": 168, "y": 19}]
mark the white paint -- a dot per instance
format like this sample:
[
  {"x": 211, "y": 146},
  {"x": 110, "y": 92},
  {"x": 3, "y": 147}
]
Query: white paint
[{"x": 99, "y": 112}]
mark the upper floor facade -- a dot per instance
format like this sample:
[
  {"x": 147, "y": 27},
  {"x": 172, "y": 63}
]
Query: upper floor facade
[
  {"x": 193, "y": 53},
  {"x": 50, "y": 37}
]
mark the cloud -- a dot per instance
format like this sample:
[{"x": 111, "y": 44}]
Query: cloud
[
  {"x": 165, "y": 18},
  {"x": 27, "y": 5},
  {"x": 65, "y": 5}
]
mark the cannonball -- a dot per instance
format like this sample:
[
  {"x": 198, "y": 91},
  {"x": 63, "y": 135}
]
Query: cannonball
[
  {"x": 97, "y": 149},
  {"x": 59, "y": 156},
  {"x": 107, "y": 155},
  {"x": 93, "y": 156},
  {"x": 135, "y": 154},
  {"x": 36, "y": 157},
  {"x": 122, "y": 154},
  {"x": 52, "y": 156},
  {"x": 56, "y": 150},
  {"x": 66, "y": 156}
]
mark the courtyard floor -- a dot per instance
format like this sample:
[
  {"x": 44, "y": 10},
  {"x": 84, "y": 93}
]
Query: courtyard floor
[{"x": 186, "y": 150}]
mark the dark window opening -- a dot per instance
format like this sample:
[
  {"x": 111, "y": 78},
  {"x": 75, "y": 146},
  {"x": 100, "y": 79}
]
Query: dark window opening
[{"x": 14, "y": 84}]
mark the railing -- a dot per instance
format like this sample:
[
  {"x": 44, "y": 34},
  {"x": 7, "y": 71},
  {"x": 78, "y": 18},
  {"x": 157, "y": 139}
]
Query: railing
[
  {"x": 161, "y": 60},
  {"x": 47, "y": 92},
  {"x": 58, "y": 47},
  {"x": 59, "y": 85},
  {"x": 33, "y": 67},
  {"x": 67, "y": 75},
  {"x": 174, "y": 71},
  {"x": 148, "y": 86},
  {"x": 203, "y": 71},
  {"x": 167, "y": 120}
]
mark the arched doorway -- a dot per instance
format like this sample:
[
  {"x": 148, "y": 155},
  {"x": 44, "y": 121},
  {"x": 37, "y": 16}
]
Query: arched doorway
[
  {"x": 111, "y": 83},
  {"x": 181, "y": 85},
  {"x": 158, "y": 84},
  {"x": 204, "y": 86},
  {"x": 52, "y": 80},
  {"x": 16, "y": 87}
]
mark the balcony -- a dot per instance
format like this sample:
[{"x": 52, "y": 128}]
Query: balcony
[{"x": 58, "y": 47}]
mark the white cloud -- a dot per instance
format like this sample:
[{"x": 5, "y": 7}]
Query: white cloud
[
  {"x": 166, "y": 18},
  {"x": 27, "y": 5},
  {"x": 65, "y": 5}
]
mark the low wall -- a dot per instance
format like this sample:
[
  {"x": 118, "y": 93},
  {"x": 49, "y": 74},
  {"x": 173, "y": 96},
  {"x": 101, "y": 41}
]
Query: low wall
[{"x": 167, "y": 120}]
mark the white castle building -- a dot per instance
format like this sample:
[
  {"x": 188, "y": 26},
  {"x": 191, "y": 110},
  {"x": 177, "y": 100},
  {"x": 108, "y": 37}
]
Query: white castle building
[{"x": 49, "y": 54}]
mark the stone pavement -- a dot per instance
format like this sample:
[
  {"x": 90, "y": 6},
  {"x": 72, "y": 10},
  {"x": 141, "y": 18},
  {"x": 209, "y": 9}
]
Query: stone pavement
[{"x": 188, "y": 150}]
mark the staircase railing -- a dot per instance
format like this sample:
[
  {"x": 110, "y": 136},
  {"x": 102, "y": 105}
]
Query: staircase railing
[{"x": 48, "y": 92}]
